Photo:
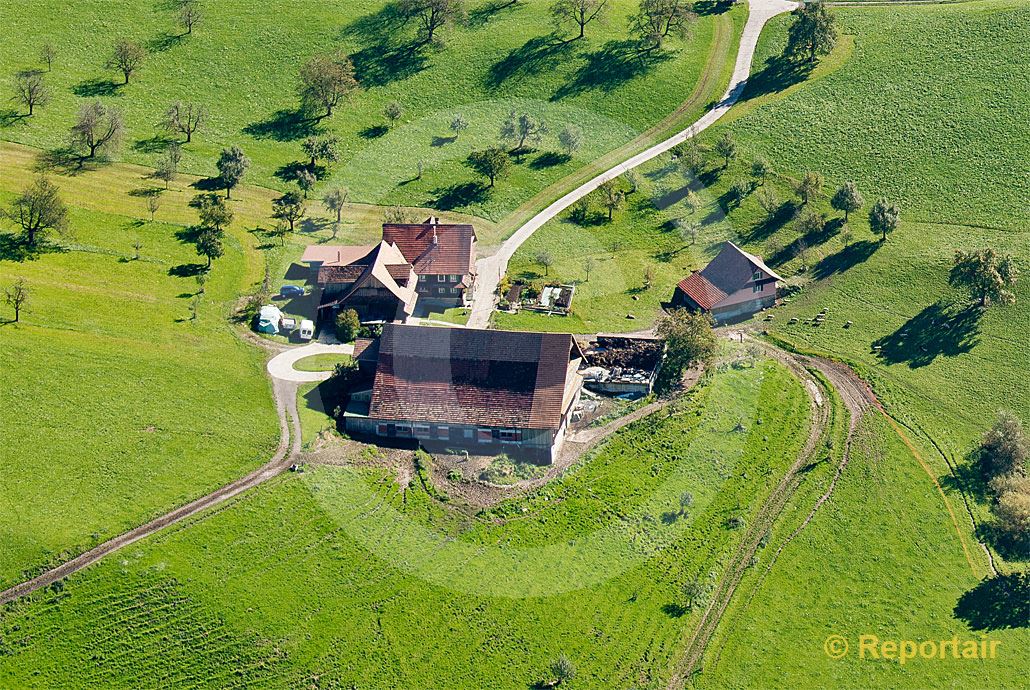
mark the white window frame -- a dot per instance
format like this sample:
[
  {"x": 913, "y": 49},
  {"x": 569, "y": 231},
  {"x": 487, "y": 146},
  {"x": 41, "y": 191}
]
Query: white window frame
[
  {"x": 443, "y": 433},
  {"x": 481, "y": 431},
  {"x": 454, "y": 279},
  {"x": 421, "y": 430},
  {"x": 441, "y": 278}
]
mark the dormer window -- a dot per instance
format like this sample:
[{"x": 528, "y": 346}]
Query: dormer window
[{"x": 756, "y": 275}]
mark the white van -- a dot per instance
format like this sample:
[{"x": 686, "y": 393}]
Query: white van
[{"x": 307, "y": 329}]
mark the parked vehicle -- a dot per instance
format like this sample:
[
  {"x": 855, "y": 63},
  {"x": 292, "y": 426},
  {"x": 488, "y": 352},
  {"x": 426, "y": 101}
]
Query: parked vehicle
[
  {"x": 291, "y": 291},
  {"x": 307, "y": 329}
]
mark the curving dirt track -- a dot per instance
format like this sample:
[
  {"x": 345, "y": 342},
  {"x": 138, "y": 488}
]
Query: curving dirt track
[
  {"x": 857, "y": 398},
  {"x": 285, "y": 393}
]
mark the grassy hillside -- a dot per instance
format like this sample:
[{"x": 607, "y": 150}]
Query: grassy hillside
[
  {"x": 125, "y": 407},
  {"x": 241, "y": 62},
  {"x": 340, "y": 575},
  {"x": 877, "y": 560}
]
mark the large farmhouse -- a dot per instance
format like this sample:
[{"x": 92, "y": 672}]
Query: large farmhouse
[
  {"x": 485, "y": 391},
  {"x": 443, "y": 256},
  {"x": 431, "y": 261},
  {"x": 733, "y": 286}
]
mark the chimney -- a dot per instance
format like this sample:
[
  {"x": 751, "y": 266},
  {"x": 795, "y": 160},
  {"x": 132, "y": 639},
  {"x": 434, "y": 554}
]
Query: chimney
[{"x": 436, "y": 240}]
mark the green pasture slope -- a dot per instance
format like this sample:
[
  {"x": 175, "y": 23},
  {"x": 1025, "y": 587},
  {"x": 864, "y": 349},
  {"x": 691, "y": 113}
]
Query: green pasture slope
[
  {"x": 340, "y": 576},
  {"x": 242, "y": 60},
  {"x": 117, "y": 406}
]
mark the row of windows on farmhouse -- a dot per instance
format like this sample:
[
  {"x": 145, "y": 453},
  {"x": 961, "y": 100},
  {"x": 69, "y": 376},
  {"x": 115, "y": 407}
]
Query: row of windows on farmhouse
[
  {"x": 442, "y": 432},
  {"x": 441, "y": 278}
]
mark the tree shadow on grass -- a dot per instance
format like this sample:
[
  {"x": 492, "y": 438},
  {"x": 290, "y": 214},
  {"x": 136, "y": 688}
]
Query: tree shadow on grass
[
  {"x": 146, "y": 192},
  {"x": 968, "y": 477},
  {"x": 94, "y": 88},
  {"x": 460, "y": 195},
  {"x": 443, "y": 141},
  {"x": 64, "y": 160},
  {"x": 209, "y": 184},
  {"x": 537, "y": 55},
  {"x": 772, "y": 223},
  {"x": 674, "y": 610},
  {"x": 189, "y": 234},
  {"x": 291, "y": 171},
  {"x": 383, "y": 64},
  {"x": 611, "y": 66},
  {"x": 155, "y": 144},
  {"x": 186, "y": 270},
  {"x": 166, "y": 41},
  {"x": 704, "y": 8},
  {"x": 374, "y": 132},
  {"x": 549, "y": 159},
  {"x": 847, "y": 258},
  {"x": 778, "y": 74},
  {"x": 998, "y": 603},
  {"x": 11, "y": 116},
  {"x": 939, "y": 330},
  {"x": 479, "y": 16},
  {"x": 285, "y": 125},
  {"x": 14, "y": 248}
]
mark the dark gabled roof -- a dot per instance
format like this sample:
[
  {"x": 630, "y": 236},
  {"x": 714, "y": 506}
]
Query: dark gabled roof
[
  {"x": 699, "y": 289},
  {"x": 450, "y": 252},
  {"x": 384, "y": 263},
  {"x": 732, "y": 268},
  {"x": 470, "y": 376}
]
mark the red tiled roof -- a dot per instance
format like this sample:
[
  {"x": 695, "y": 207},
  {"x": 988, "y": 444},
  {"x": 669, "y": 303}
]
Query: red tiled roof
[
  {"x": 451, "y": 253},
  {"x": 468, "y": 376},
  {"x": 697, "y": 288},
  {"x": 340, "y": 274}
]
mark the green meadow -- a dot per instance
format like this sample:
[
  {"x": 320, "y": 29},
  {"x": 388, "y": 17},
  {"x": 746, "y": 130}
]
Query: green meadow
[
  {"x": 242, "y": 60},
  {"x": 342, "y": 576}
]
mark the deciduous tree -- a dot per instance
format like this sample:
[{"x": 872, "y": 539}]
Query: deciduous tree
[
  {"x": 521, "y": 128},
  {"x": 690, "y": 340},
  {"x": 570, "y": 138},
  {"x": 209, "y": 244},
  {"x": 393, "y": 112},
  {"x": 458, "y": 125},
  {"x": 127, "y": 58},
  {"x": 96, "y": 128},
  {"x": 47, "y": 54},
  {"x": 38, "y": 211},
  {"x": 325, "y": 80},
  {"x": 562, "y": 670},
  {"x": 726, "y": 147},
  {"x": 30, "y": 90},
  {"x": 432, "y": 15},
  {"x": 17, "y": 297},
  {"x": 613, "y": 197},
  {"x": 810, "y": 185},
  {"x": 987, "y": 275},
  {"x": 760, "y": 169},
  {"x": 289, "y": 208},
  {"x": 1004, "y": 448},
  {"x": 232, "y": 166},
  {"x": 847, "y": 198},
  {"x": 813, "y": 32},
  {"x": 347, "y": 325},
  {"x": 321, "y": 148},
  {"x": 656, "y": 20},
  {"x": 334, "y": 201},
  {"x": 184, "y": 118},
  {"x": 189, "y": 15},
  {"x": 544, "y": 260},
  {"x": 578, "y": 12},
  {"x": 884, "y": 217},
  {"x": 213, "y": 211},
  {"x": 492, "y": 163},
  {"x": 306, "y": 181}
]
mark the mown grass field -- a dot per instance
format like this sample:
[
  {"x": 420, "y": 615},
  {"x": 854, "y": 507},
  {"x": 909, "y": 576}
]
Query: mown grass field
[
  {"x": 881, "y": 558},
  {"x": 128, "y": 407},
  {"x": 118, "y": 405},
  {"x": 241, "y": 62},
  {"x": 340, "y": 576}
]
